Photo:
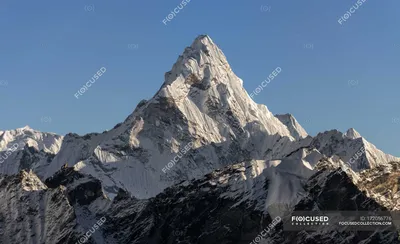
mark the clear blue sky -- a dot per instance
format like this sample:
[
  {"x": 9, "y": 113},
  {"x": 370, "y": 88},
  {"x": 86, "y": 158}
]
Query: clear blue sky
[{"x": 49, "y": 49}]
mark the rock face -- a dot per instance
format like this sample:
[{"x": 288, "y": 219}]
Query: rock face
[
  {"x": 81, "y": 189},
  {"x": 224, "y": 206},
  {"x": 32, "y": 213},
  {"x": 382, "y": 184},
  {"x": 200, "y": 162},
  {"x": 332, "y": 189}
]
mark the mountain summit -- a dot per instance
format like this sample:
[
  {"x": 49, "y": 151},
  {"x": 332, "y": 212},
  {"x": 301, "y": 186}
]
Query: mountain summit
[
  {"x": 352, "y": 133},
  {"x": 203, "y": 59},
  {"x": 294, "y": 127}
]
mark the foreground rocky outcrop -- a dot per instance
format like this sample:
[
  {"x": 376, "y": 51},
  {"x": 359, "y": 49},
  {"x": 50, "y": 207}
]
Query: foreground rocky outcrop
[
  {"x": 221, "y": 207},
  {"x": 30, "y": 212}
]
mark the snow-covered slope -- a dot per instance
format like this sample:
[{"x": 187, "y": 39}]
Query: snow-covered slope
[
  {"x": 25, "y": 148},
  {"x": 353, "y": 149},
  {"x": 296, "y": 130},
  {"x": 48, "y": 142},
  {"x": 228, "y": 205}
]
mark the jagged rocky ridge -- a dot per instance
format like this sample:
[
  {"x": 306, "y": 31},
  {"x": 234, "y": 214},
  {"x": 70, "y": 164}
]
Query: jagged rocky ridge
[
  {"x": 30, "y": 212},
  {"x": 214, "y": 209},
  {"x": 331, "y": 189}
]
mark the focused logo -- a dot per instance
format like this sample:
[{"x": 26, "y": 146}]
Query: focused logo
[{"x": 310, "y": 220}]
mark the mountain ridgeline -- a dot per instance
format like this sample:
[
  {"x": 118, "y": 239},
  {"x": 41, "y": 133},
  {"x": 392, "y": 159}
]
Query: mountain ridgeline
[{"x": 199, "y": 162}]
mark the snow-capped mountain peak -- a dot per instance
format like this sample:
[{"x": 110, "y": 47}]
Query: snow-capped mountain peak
[
  {"x": 201, "y": 103},
  {"x": 48, "y": 142},
  {"x": 201, "y": 58},
  {"x": 202, "y": 84},
  {"x": 25, "y": 148},
  {"x": 197, "y": 72},
  {"x": 352, "y": 148},
  {"x": 352, "y": 134},
  {"x": 294, "y": 127},
  {"x": 26, "y": 127}
]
